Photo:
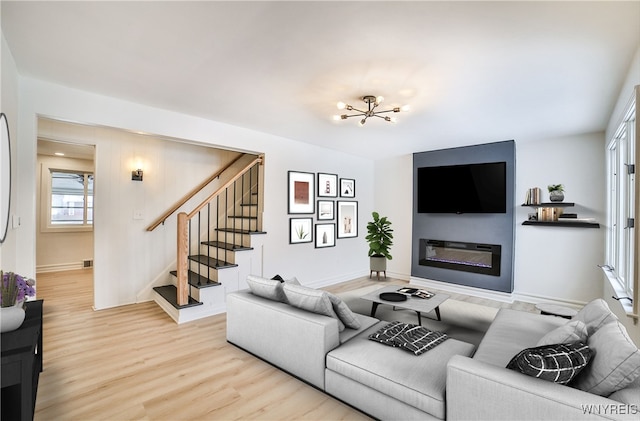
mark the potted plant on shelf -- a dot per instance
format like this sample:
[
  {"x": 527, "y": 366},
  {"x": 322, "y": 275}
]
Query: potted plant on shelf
[
  {"x": 380, "y": 239},
  {"x": 556, "y": 192}
]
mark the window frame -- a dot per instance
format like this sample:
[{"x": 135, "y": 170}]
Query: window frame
[
  {"x": 46, "y": 199},
  {"x": 621, "y": 244}
]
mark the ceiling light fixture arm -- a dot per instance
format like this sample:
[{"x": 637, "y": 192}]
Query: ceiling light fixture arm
[{"x": 372, "y": 103}]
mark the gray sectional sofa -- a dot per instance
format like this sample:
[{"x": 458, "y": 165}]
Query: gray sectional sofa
[{"x": 302, "y": 331}]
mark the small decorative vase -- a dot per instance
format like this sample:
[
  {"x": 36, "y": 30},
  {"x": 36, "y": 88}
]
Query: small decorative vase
[
  {"x": 556, "y": 196},
  {"x": 11, "y": 318}
]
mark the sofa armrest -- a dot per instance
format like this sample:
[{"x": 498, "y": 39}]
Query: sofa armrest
[
  {"x": 292, "y": 339},
  {"x": 480, "y": 391}
]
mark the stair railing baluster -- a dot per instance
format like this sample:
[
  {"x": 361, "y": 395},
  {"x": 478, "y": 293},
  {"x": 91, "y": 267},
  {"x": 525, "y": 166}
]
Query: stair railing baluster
[
  {"x": 218, "y": 226},
  {"x": 235, "y": 206},
  {"x": 226, "y": 222},
  {"x": 208, "y": 240}
]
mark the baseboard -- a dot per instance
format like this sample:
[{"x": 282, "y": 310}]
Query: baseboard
[
  {"x": 495, "y": 295},
  {"x": 539, "y": 299},
  {"x": 59, "y": 267}
]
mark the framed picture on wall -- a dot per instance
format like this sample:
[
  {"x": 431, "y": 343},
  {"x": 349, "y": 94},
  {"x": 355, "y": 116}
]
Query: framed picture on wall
[
  {"x": 347, "y": 187},
  {"x": 300, "y": 193},
  {"x": 325, "y": 235},
  {"x": 347, "y": 219},
  {"x": 300, "y": 230},
  {"x": 327, "y": 185},
  {"x": 326, "y": 210}
]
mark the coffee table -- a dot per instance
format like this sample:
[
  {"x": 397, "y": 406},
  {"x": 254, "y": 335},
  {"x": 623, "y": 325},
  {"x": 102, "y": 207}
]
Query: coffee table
[{"x": 419, "y": 305}]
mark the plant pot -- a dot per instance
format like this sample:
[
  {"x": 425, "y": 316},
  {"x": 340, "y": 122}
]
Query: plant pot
[
  {"x": 378, "y": 264},
  {"x": 11, "y": 318},
  {"x": 556, "y": 196}
]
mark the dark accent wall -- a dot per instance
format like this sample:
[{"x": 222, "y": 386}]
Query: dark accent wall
[{"x": 477, "y": 228}]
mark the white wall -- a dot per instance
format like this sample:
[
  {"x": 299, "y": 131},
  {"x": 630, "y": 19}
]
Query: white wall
[
  {"x": 560, "y": 263},
  {"x": 9, "y": 106},
  {"x": 119, "y": 274}
]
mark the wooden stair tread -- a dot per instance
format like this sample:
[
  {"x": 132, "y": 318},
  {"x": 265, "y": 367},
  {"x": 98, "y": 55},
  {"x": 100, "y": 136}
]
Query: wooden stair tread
[
  {"x": 239, "y": 231},
  {"x": 211, "y": 261},
  {"x": 226, "y": 246},
  {"x": 198, "y": 281},
  {"x": 170, "y": 293}
]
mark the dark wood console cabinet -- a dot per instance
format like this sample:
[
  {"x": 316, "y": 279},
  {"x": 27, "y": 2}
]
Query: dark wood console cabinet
[{"x": 21, "y": 365}]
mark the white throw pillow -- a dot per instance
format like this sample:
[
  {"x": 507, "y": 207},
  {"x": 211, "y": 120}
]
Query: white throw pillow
[
  {"x": 573, "y": 331},
  {"x": 616, "y": 362},
  {"x": 595, "y": 314},
  {"x": 266, "y": 288},
  {"x": 344, "y": 312},
  {"x": 313, "y": 300}
]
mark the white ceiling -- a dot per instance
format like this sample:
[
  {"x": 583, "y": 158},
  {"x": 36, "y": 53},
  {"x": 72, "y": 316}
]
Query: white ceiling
[{"x": 473, "y": 72}]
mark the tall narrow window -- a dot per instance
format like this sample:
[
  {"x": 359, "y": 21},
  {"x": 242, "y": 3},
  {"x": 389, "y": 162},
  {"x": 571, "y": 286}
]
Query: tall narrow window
[
  {"x": 71, "y": 198},
  {"x": 621, "y": 206}
]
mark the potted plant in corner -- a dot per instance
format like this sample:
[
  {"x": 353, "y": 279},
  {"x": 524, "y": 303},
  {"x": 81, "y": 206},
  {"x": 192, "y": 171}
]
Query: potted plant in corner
[
  {"x": 556, "y": 192},
  {"x": 380, "y": 239}
]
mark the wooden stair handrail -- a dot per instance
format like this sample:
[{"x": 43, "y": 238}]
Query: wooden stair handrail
[
  {"x": 192, "y": 193},
  {"x": 224, "y": 187}
]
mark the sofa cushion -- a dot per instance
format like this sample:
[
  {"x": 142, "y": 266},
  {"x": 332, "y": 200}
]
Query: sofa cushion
[
  {"x": 417, "y": 381},
  {"x": 512, "y": 331},
  {"x": 616, "y": 363},
  {"x": 558, "y": 363},
  {"x": 310, "y": 299},
  {"x": 595, "y": 314},
  {"x": 266, "y": 288},
  {"x": 344, "y": 312},
  {"x": 573, "y": 331}
]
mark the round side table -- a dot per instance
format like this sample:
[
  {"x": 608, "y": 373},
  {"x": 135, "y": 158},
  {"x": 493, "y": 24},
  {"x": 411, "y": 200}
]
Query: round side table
[{"x": 556, "y": 310}]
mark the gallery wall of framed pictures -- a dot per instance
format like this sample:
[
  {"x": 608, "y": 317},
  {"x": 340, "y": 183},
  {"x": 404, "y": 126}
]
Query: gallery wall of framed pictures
[{"x": 326, "y": 197}]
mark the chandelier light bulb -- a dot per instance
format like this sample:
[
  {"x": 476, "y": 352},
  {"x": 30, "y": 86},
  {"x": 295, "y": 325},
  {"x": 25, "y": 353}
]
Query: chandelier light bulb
[
  {"x": 364, "y": 120},
  {"x": 341, "y": 105},
  {"x": 379, "y": 99},
  {"x": 405, "y": 108},
  {"x": 337, "y": 118}
]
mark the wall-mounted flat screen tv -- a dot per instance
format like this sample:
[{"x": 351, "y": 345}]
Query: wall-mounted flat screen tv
[{"x": 469, "y": 188}]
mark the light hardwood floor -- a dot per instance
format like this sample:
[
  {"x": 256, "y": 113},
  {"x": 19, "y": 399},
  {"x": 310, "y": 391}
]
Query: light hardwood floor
[{"x": 134, "y": 363}]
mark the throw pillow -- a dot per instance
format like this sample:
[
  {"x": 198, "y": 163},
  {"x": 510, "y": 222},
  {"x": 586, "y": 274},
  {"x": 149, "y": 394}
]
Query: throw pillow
[
  {"x": 573, "y": 331},
  {"x": 266, "y": 288},
  {"x": 558, "y": 363},
  {"x": 309, "y": 299},
  {"x": 595, "y": 314},
  {"x": 344, "y": 312},
  {"x": 412, "y": 338},
  {"x": 293, "y": 280},
  {"x": 616, "y": 363}
]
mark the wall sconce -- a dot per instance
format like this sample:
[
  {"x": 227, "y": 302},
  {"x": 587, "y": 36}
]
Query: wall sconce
[{"x": 136, "y": 175}]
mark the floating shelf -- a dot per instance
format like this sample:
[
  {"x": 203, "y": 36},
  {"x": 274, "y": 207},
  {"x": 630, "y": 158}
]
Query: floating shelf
[
  {"x": 551, "y": 205},
  {"x": 562, "y": 222},
  {"x": 575, "y": 224}
]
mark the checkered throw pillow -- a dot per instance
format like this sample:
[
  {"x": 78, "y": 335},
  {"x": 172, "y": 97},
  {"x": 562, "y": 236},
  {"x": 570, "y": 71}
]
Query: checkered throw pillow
[
  {"x": 412, "y": 338},
  {"x": 558, "y": 363}
]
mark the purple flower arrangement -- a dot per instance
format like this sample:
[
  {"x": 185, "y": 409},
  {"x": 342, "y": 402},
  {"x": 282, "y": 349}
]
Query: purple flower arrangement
[{"x": 15, "y": 288}]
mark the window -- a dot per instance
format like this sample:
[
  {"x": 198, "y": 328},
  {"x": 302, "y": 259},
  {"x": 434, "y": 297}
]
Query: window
[
  {"x": 621, "y": 261},
  {"x": 71, "y": 199}
]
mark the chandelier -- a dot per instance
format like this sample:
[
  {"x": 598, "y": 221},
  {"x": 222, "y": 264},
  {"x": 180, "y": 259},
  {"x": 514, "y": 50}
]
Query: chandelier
[{"x": 372, "y": 104}]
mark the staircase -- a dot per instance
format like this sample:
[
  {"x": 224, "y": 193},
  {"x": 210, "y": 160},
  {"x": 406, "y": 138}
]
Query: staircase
[{"x": 219, "y": 243}]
